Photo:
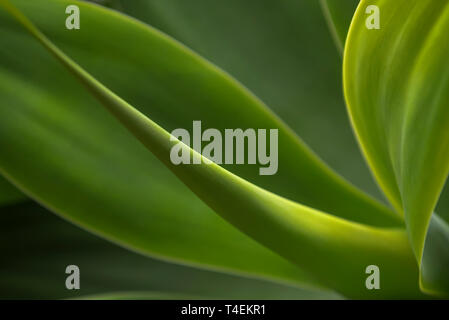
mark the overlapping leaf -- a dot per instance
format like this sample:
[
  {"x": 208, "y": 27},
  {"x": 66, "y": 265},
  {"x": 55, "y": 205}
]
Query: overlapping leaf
[
  {"x": 397, "y": 89},
  {"x": 324, "y": 240},
  {"x": 69, "y": 154},
  {"x": 391, "y": 187},
  {"x": 69, "y": 172},
  {"x": 267, "y": 45},
  {"x": 37, "y": 246}
]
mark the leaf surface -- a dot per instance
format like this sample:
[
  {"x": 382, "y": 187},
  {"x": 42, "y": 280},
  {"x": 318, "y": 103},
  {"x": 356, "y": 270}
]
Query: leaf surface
[
  {"x": 267, "y": 46},
  {"x": 396, "y": 86},
  {"x": 73, "y": 157},
  {"x": 78, "y": 150},
  {"x": 324, "y": 240},
  {"x": 37, "y": 246}
]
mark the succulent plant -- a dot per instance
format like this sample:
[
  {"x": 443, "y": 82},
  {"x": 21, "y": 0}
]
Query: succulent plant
[{"x": 86, "y": 116}]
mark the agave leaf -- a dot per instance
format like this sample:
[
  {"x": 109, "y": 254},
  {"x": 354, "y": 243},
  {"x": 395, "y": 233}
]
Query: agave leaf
[
  {"x": 339, "y": 14},
  {"x": 435, "y": 261},
  {"x": 37, "y": 246},
  {"x": 394, "y": 109},
  {"x": 184, "y": 231},
  {"x": 335, "y": 17},
  {"x": 324, "y": 240},
  {"x": 70, "y": 155},
  {"x": 283, "y": 65},
  {"x": 60, "y": 149},
  {"x": 398, "y": 105}
]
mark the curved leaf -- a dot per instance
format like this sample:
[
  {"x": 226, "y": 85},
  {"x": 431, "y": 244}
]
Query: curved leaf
[
  {"x": 397, "y": 104},
  {"x": 396, "y": 85},
  {"x": 37, "y": 246},
  {"x": 324, "y": 240},
  {"x": 283, "y": 67},
  {"x": 68, "y": 165},
  {"x": 70, "y": 155}
]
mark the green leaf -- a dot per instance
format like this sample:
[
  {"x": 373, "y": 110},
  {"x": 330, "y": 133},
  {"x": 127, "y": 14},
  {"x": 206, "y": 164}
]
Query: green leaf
[
  {"x": 74, "y": 158},
  {"x": 339, "y": 14},
  {"x": 396, "y": 86},
  {"x": 37, "y": 247},
  {"x": 324, "y": 240},
  {"x": 81, "y": 149},
  {"x": 284, "y": 66},
  {"x": 435, "y": 261}
]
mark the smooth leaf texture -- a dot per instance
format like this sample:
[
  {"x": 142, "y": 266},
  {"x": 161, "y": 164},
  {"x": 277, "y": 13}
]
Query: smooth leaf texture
[
  {"x": 302, "y": 177},
  {"x": 338, "y": 18},
  {"x": 267, "y": 45},
  {"x": 37, "y": 246},
  {"x": 435, "y": 262},
  {"x": 64, "y": 179},
  {"x": 70, "y": 155},
  {"x": 324, "y": 240},
  {"x": 396, "y": 86}
]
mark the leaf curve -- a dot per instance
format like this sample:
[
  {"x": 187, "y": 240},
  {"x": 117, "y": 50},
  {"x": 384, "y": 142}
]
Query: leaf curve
[
  {"x": 298, "y": 99},
  {"x": 396, "y": 86},
  {"x": 29, "y": 232},
  {"x": 52, "y": 159},
  {"x": 291, "y": 222},
  {"x": 394, "y": 118},
  {"x": 68, "y": 145}
]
